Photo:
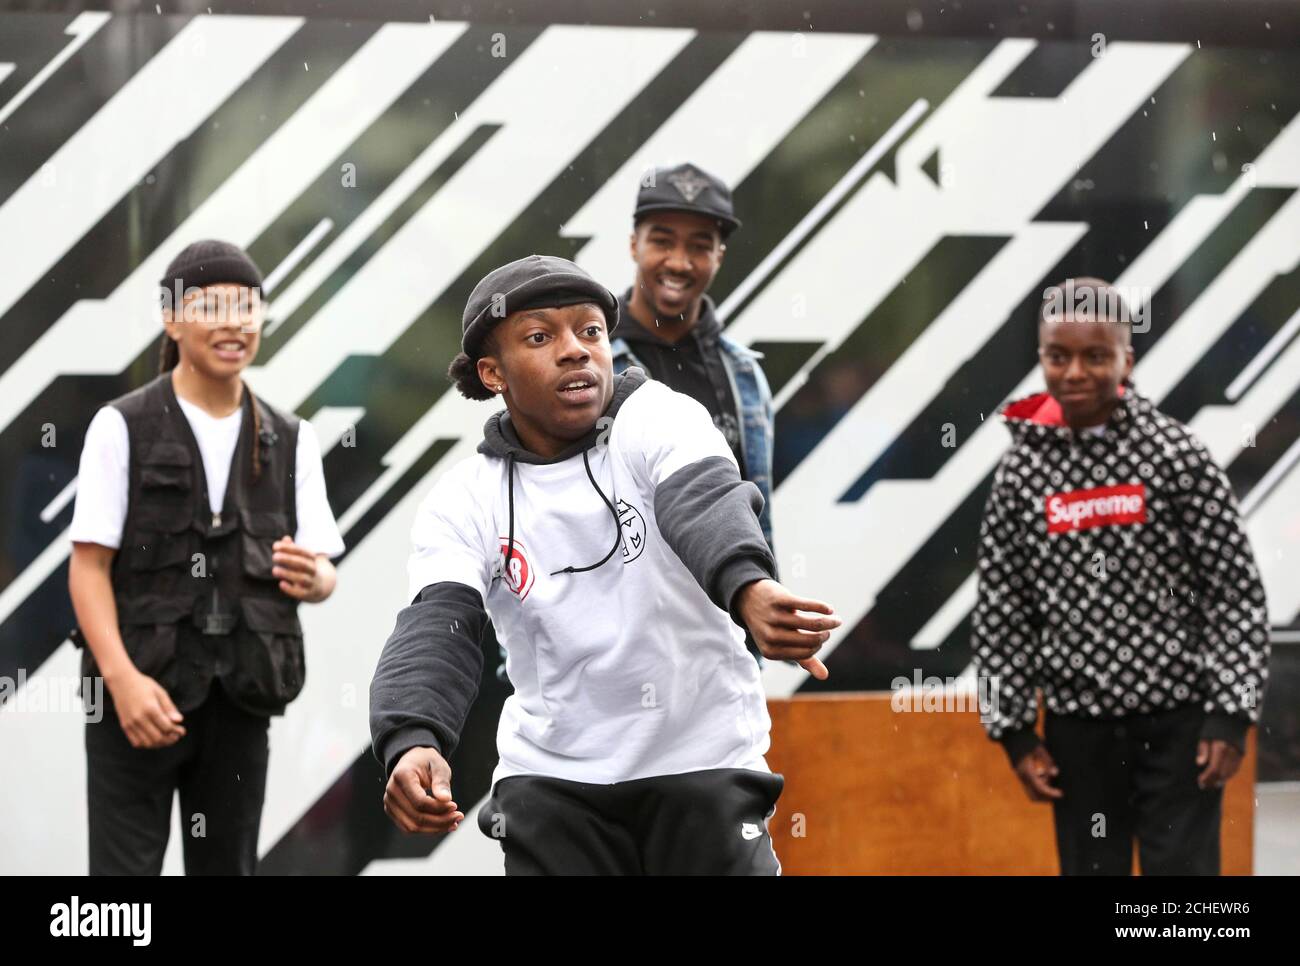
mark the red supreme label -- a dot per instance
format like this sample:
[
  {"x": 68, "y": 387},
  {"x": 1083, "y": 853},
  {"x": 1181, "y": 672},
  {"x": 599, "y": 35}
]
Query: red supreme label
[{"x": 1101, "y": 507}]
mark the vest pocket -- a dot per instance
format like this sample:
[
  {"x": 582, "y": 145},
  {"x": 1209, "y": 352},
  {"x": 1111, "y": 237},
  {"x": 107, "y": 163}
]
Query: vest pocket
[
  {"x": 270, "y": 670},
  {"x": 166, "y": 467},
  {"x": 151, "y": 647},
  {"x": 259, "y": 529},
  {"x": 165, "y": 510},
  {"x": 158, "y": 542},
  {"x": 165, "y": 477}
]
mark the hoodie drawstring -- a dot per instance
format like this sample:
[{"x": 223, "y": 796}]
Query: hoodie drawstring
[
  {"x": 618, "y": 527},
  {"x": 510, "y": 541},
  {"x": 510, "y": 545}
]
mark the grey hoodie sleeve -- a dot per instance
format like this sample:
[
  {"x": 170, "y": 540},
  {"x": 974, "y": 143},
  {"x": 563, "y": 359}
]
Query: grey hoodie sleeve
[
  {"x": 428, "y": 673},
  {"x": 708, "y": 515}
]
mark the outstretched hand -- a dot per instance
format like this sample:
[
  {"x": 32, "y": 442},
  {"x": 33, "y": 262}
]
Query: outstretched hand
[{"x": 781, "y": 632}]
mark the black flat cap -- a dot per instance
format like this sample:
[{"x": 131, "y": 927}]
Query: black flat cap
[
  {"x": 687, "y": 187},
  {"x": 532, "y": 282}
]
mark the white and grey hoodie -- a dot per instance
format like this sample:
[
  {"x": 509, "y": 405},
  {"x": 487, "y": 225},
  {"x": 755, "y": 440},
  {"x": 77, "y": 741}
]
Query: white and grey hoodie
[{"x": 625, "y": 552}]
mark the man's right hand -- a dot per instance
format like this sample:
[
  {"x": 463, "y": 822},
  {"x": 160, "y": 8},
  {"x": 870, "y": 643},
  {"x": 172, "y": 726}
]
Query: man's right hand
[
  {"x": 146, "y": 712},
  {"x": 1035, "y": 771},
  {"x": 418, "y": 796}
]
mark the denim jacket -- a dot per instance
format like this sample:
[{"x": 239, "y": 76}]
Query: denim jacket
[{"x": 754, "y": 408}]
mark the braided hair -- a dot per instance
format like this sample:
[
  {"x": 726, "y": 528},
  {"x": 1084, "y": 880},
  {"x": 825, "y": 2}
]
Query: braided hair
[{"x": 169, "y": 354}]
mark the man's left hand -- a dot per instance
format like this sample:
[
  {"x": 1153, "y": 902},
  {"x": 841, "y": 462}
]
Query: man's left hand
[
  {"x": 781, "y": 632},
  {"x": 301, "y": 577},
  {"x": 1221, "y": 761}
]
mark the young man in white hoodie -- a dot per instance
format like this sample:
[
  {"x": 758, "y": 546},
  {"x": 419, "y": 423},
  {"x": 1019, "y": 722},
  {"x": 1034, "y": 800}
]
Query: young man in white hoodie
[{"x": 604, "y": 528}]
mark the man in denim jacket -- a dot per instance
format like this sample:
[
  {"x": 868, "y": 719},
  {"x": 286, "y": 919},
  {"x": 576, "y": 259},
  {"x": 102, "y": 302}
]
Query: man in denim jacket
[{"x": 682, "y": 220}]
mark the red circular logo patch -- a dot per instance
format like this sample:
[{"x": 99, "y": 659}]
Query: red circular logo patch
[{"x": 516, "y": 572}]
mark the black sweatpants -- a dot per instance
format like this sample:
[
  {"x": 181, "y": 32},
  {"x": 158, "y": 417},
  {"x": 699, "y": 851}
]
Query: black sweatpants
[
  {"x": 219, "y": 767},
  {"x": 698, "y": 823},
  {"x": 1133, "y": 777}
]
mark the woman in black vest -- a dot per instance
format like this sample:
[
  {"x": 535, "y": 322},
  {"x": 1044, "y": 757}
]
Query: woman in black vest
[{"x": 201, "y": 522}]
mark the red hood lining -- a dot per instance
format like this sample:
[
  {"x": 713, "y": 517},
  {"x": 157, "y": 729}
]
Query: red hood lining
[{"x": 1041, "y": 408}]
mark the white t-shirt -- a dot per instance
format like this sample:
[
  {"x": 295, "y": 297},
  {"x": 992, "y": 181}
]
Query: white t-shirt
[
  {"x": 622, "y": 672},
  {"x": 103, "y": 480}
]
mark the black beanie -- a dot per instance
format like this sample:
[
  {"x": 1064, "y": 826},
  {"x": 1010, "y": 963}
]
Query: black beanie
[
  {"x": 210, "y": 262},
  {"x": 532, "y": 282}
]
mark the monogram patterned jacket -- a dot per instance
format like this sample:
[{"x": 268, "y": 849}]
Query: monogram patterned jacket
[{"x": 1115, "y": 577}]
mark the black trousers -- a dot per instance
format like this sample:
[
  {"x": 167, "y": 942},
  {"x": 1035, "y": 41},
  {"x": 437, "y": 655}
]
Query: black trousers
[
  {"x": 1133, "y": 777},
  {"x": 219, "y": 768},
  {"x": 698, "y": 823}
]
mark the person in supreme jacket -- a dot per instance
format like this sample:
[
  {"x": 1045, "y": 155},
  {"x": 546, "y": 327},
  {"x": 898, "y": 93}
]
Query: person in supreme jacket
[
  {"x": 605, "y": 529},
  {"x": 1115, "y": 574}
]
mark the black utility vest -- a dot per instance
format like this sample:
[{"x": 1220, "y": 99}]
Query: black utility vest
[{"x": 196, "y": 599}]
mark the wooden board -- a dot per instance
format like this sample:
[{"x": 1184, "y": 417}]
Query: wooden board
[{"x": 873, "y": 791}]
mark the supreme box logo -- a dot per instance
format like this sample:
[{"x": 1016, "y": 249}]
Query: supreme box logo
[{"x": 1100, "y": 507}]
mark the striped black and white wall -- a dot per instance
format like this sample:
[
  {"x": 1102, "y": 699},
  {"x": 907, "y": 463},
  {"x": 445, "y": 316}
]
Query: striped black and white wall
[{"x": 909, "y": 186}]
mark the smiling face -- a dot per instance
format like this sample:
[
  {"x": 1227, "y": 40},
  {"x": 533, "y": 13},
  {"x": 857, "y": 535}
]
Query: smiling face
[
  {"x": 218, "y": 329},
  {"x": 555, "y": 370},
  {"x": 1084, "y": 362},
  {"x": 677, "y": 255}
]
